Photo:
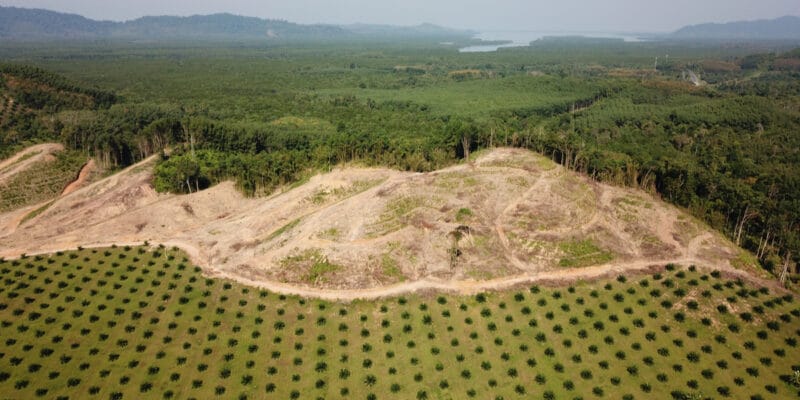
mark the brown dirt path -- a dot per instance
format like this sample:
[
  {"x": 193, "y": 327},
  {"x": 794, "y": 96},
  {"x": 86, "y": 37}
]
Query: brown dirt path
[
  {"x": 83, "y": 176},
  {"x": 561, "y": 277},
  {"x": 12, "y": 166}
]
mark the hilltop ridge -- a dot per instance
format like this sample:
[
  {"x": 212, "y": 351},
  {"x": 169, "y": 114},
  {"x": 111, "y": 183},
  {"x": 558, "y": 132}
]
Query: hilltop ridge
[
  {"x": 38, "y": 24},
  {"x": 509, "y": 213},
  {"x": 783, "y": 28}
]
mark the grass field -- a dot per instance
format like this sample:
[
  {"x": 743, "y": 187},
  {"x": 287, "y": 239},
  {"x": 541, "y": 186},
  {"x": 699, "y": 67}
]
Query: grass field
[
  {"x": 483, "y": 97},
  {"x": 143, "y": 323}
]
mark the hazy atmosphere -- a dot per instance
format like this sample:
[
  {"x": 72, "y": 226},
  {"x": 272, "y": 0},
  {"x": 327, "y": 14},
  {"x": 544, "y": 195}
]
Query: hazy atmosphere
[{"x": 571, "y": 15}]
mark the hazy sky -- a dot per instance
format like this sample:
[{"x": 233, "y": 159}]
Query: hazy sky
[{"x": 552, "y": 15}]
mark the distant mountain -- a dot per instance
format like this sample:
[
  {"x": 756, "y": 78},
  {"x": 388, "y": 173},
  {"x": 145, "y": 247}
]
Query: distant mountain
[
  {"x": 780, "y": 28},
  {"x": 36, "y": 24},
  {"x": 23, "y": 23},
  {"x": 221, "y": 26},
  {"x": 32, "y": 23}
]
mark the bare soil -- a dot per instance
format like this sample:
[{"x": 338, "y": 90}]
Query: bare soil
[
  {"x": 379, "y": 232},
  {"x": 83, "y": 177}
]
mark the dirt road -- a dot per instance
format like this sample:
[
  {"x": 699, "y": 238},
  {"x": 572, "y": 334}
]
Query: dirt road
[
  {"x": 562, "y": 277},
  {"x": 25, "y": 158},
  {"x": 83, "y": 176}
]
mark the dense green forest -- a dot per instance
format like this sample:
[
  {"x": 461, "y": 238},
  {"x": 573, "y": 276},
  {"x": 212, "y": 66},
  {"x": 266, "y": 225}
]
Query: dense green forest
[{"x": 727, "y": 149}]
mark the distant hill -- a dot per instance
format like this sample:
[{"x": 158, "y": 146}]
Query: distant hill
[
  {"x": 36, "y": 24},
  {"x": 780, "y": 28}
]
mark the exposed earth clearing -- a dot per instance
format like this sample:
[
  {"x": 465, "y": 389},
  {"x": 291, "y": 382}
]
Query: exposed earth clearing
[{"x": 507, "y": 217}]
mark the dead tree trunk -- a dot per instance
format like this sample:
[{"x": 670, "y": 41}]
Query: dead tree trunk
[
  {"x": 762, "y": 245},
  {"x": 746, "y": 216},
  {"x": 785, "y": 271}
]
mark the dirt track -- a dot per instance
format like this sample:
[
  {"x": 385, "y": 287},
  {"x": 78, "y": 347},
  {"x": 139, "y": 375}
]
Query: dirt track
[
  {"x": 83, "y": 177},
  {"x": 12, "y": 166},
  {"x": 465, "y": 287}
]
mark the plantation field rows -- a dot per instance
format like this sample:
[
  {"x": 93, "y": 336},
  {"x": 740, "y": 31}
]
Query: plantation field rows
[{"x": 143, "y": 323}]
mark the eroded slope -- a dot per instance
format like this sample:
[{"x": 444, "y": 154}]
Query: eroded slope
[{"x": 509, "y": 213}]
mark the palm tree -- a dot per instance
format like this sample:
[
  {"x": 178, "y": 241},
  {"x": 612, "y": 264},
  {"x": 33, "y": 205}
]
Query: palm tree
[{"x": 796, "y": 378}]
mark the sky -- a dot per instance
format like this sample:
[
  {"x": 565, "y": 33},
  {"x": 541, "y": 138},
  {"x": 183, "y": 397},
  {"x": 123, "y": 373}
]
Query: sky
[{"x": 534, "y": 15}]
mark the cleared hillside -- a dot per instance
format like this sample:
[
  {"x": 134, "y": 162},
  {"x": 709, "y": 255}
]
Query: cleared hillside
[{"x": 509, "y": 214}]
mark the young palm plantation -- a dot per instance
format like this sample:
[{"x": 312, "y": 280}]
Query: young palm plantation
[{"x": 137, "y": 322}]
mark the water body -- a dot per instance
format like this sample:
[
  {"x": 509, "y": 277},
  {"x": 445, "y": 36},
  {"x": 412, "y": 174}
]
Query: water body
[{"x": 524, "y": 38}]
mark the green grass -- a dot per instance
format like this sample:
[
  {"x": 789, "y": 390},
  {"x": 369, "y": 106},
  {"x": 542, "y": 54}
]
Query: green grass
[
  {"x": 320, "y": 269},
  {"x": 359, "y": 186},
  {"x": 396, "y": 214},
  {"x": 390, "y": 269},
  {"x": 315, "y": 265},
  {"x": 133, "y": 323},
  {"x": 284, "y": 229},
  {"x": 36, "y": 212},
  {"x": 463, "y": 214},
  {"x": 582, "y": 253}
]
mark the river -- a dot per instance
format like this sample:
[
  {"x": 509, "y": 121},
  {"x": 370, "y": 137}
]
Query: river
[{"x": 524, "y": 38}]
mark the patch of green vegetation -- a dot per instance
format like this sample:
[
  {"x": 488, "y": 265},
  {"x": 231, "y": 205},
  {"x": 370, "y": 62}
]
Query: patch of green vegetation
[
  {"x": 31, "y": 215},
  {"x": 284, "y": 229},
  {"x": 402, "y": 206},
  {"x": 357, "y": 187},
  {"x": 318, "y": 197},
  {"x": 470, "y": 181},
  {"x": 634, "y": 202},
  {"x": 339, "y": 193},
  {"x": 332, "y": 234},
  {"x": 517, "y": 181},
  {"x": 479, "y": 274},
  {"x": 463, "y": 214},
  {"x": 300, "y": 181},
  {"x": 316, "y": 265},
  {"x": 453, "y": 180},
  {"x": 147, "y": 321},
  {"x": 396, "y": 214},
  {"x": 746, "y": 261},
  {"x": 320, "y": 269},
  {"x": 391, "y": 269},
  {"x": 582, "y": 253},
  {"x": 525, "y": 161},
  {"x": 652, "y": 240}
]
